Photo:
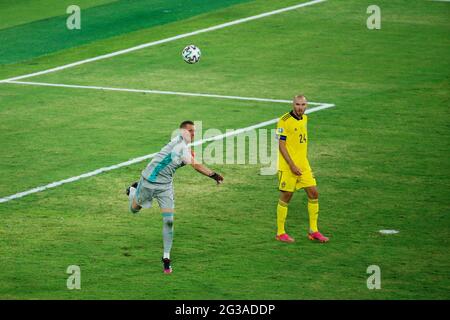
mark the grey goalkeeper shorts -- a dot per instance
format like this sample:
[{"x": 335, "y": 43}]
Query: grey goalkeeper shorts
[{"x": 162, "y": 192}]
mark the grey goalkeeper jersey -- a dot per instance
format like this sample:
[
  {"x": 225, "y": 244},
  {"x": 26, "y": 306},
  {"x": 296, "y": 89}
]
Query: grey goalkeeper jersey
[{"x": 172, "y": 156}]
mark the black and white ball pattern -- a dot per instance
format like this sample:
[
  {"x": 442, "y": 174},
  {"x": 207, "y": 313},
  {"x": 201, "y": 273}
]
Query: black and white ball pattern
[{"x": 191, "y": 54}]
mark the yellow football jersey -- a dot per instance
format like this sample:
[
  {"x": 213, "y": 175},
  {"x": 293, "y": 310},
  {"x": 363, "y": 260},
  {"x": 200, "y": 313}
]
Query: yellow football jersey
[{"x": 294, "y": 131}]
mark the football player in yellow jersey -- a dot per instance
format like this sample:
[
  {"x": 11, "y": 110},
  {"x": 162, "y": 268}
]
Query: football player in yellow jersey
[{"x": 294, "y": 172}]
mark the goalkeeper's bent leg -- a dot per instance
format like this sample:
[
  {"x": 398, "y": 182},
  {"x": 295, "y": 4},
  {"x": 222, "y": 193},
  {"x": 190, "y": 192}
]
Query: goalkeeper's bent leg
[
  {"x": 167, "y": 233},
  {"x": 133, "y": 206}
]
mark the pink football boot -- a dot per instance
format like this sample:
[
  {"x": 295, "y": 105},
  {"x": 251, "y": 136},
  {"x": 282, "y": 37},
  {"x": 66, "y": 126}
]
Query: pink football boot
[
  {"x": 167, "y": 267},
  {"x": 284, "y": 238},
  {"x": 317, "y": 236}
]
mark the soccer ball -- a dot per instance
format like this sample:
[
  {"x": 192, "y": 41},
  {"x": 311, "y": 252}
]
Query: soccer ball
[{"x": 191, "y": 54}]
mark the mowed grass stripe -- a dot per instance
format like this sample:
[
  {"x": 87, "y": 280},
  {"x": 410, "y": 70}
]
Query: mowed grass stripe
[
  {"x": 180, "y": 36},
  {"x": 50, "y": 35},
  {"x": 14, "y": 13},
  {"x": 117, "y": 43}
]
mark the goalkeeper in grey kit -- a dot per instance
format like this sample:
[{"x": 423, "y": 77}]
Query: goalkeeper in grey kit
[{"x": 156, "y": 182}]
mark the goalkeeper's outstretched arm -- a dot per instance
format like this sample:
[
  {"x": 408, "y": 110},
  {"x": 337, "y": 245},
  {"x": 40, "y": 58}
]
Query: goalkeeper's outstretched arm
[{"x": 206, "y": 171}]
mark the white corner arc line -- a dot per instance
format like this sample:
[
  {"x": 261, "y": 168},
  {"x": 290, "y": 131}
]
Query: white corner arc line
[
  {"x": 154, "y": 43},
  {"x": 188, "y": 94},
  {"x": 146, "y": 157}
]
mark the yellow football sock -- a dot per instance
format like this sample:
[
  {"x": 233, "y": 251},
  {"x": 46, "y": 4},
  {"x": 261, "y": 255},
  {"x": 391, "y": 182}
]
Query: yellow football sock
[
  {"x": 282, "y": 210},
  {"x": 313, "y": 210}
]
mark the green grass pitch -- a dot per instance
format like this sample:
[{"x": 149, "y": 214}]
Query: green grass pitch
[{"x": 381, "y": 156}]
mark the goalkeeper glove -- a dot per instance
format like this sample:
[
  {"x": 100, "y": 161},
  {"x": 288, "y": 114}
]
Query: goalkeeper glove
[{"x": 216, "y": 177}]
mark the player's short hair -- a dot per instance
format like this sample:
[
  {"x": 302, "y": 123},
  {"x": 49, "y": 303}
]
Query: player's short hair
[
  {"x": 299, "y": 96},
  {"x": 185, "y": 123}
]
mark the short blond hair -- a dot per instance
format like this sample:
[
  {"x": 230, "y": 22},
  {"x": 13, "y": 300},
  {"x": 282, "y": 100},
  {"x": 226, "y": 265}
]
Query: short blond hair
[{"x": 299, "y": 96}]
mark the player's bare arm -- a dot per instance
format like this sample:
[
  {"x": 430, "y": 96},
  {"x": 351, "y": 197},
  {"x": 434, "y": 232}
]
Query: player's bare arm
[
  {"x": 287, "y": 157},
  {"x": 206, "y": 171}
]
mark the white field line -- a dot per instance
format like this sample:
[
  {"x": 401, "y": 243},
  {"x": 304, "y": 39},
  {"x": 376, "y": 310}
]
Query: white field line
[
  {"x": 154, "y": 43},
  {"x": 146, "y": 157},
  {"x": 188, "y": 94}
]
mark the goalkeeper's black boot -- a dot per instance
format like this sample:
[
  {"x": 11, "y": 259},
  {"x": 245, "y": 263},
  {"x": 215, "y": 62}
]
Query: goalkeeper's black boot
[
  {"x": 167, "y": 267},
  {"x": 134, "y": 185}
]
